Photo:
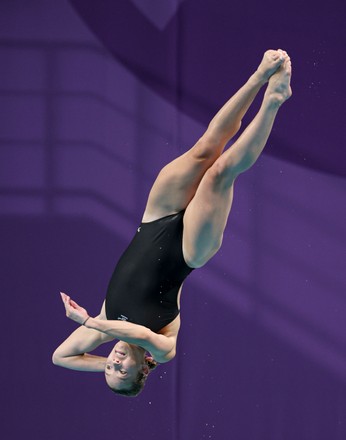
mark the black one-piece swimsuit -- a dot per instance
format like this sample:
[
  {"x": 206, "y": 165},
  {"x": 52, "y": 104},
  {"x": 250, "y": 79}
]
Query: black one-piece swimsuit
[{"x": 146, "y": 280}]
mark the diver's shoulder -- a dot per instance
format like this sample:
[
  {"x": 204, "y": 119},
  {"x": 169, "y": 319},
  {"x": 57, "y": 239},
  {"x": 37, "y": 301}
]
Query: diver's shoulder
[{"x": 163, "y": 358}]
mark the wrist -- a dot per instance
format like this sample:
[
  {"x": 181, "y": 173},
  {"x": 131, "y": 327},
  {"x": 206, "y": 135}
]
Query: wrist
[
  {"x": 90, "y": 323},
  {"x": 86, "y": 320}
]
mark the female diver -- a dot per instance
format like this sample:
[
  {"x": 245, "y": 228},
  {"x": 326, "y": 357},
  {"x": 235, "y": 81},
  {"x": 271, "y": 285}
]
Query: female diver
[{"x": 181, "y": 229}]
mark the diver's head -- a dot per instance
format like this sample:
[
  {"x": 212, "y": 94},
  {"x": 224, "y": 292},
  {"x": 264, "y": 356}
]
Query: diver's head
[{"x": 127, "y": 368}]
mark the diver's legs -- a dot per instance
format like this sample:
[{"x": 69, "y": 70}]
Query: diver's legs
[
  {"x": 178, "y": 181},
  {"x": 206, "y": 215}
]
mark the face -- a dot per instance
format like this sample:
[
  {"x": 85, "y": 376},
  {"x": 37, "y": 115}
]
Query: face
[{"x": 123, "y": 365}]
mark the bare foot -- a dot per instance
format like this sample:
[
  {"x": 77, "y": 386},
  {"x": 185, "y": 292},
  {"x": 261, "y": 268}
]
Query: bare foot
[
  {"x": 279, "y": 89},
  {"x": 272, "y": 60}
]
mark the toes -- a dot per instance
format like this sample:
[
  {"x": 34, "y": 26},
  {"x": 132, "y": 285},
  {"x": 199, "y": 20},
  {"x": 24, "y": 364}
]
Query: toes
[
  {"x": 281, "y": 54},
  {"x": 286, "y": 67},
  {"x": 271, "y": 54}
]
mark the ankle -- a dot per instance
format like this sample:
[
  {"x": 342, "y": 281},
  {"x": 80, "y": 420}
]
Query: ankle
[
  {"x": 273, "y": 99},
  {"x": 257, "y": 79}
]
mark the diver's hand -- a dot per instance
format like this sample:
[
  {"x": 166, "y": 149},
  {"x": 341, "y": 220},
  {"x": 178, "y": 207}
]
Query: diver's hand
[{"x": 73, "y": 310}]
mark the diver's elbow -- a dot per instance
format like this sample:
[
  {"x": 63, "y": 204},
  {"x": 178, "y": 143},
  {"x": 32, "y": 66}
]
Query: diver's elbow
[{"x": 56, "y": 359}]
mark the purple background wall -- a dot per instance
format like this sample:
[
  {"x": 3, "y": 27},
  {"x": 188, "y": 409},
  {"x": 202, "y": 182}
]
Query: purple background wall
[{"x": 95, "y": 98}]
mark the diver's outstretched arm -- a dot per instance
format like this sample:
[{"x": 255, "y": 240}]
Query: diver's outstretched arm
[
  {"x": 73, "y": 353},
  {"x": 160, "y": 346}
]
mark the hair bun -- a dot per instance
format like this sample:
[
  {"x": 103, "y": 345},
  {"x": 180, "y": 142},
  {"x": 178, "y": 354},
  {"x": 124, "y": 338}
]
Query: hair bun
[{"x": 151, "y": 363}]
